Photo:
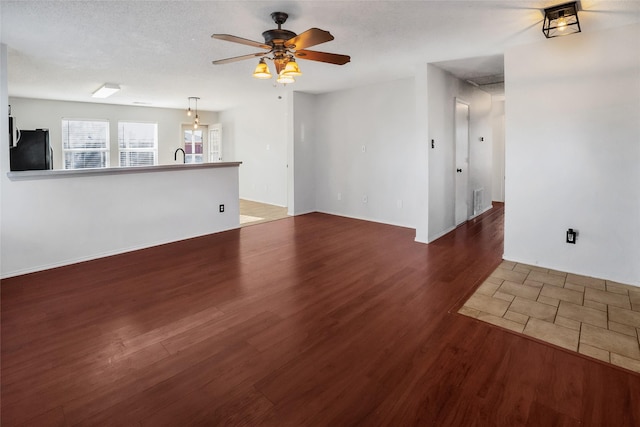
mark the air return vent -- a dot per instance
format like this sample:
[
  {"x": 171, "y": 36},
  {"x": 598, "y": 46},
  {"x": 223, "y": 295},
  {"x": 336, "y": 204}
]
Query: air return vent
[{"x": 478, "y": 194}]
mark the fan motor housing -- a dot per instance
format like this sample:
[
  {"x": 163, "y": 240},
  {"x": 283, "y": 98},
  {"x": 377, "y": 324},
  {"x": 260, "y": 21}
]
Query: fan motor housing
[{"x": 275, "y": 36}]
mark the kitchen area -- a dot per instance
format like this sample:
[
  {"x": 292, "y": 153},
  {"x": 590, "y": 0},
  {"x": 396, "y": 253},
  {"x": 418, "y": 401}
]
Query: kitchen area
[
  {"x": 60, "y": 216},
  {"x": 174, "y": 129}
]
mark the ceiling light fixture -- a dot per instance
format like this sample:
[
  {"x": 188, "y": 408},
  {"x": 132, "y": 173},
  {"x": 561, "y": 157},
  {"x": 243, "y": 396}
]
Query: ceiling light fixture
[
  {"x": 189, "y": 109},
  {"x": 106, "y": 90},
  {"x": 561, "y": 20},
  {"x": 282, "y": 46},
  {"x": 196, "y": 121},
  {"x": 262, "y": 70},
  {"x": 285, "y": 78},
  {"x": 286, "y": 67},
  {"x": 292, "y": 69}
]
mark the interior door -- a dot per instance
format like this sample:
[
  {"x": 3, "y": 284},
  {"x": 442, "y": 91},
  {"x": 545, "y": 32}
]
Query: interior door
[
  {"x": 194, "y": 142},
  {"x": 462, "y": 162},
  {"x": 215, "y": 143}
]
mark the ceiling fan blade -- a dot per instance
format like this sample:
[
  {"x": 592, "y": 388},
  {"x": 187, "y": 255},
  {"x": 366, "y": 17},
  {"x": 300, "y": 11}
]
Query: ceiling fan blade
[
  {"x": 309, "y": 38},
  {"x": 238, "y": 58},
  {"x": 331, "y": 58},
  {"x": 236, "y": 39}
]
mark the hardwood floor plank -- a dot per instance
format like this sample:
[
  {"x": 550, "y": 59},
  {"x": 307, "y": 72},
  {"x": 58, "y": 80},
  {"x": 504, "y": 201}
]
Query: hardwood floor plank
[{"x": 309, "y": 320}]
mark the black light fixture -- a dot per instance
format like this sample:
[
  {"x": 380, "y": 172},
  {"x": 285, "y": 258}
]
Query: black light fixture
[
  {"x": 196, "y": 121},
  {"x": 561, "y": 20}
]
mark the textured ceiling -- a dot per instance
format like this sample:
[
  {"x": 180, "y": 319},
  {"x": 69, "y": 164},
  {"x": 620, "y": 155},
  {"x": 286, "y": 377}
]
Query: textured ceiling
[{"x": 160, "y": 52}]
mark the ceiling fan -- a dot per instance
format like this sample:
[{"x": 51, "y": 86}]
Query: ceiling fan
[{"x": 284, "y": 46}]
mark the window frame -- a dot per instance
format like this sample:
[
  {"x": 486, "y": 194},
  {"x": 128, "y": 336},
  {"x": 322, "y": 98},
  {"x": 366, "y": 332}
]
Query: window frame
[
  {"x": 65, "y": 137},
  {"x": 192, "y": 158},
  {"x": 153, "y": 150}
]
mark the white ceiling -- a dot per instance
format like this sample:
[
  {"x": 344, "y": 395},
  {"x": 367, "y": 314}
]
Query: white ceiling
[{"x": 160, "y": 52}]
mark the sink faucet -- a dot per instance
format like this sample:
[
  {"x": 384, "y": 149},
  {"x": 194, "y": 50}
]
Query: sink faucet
[{"x": 184, "y": 156}]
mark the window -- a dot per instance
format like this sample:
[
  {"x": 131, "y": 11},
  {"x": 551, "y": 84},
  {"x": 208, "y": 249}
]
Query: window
[
  {"x": 85, "y": 143},
  {"x": 137, "y": 144}
]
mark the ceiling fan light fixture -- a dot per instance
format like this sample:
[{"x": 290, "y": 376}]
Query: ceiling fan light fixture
[
  {"x": 292, "y": 69},
  {"x": 561, "y": 20},
  {"x": 282, "y": 46},
  {"x": 285, "y": 78},
  {"x": 262, "y": 70}
]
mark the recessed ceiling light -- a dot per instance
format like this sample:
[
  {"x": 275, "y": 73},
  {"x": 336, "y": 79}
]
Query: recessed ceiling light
[{"x": 106, "y": 90}]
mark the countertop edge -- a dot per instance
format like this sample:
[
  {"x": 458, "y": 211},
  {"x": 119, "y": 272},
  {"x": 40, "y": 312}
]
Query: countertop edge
[{"x": 68, "y": 173}]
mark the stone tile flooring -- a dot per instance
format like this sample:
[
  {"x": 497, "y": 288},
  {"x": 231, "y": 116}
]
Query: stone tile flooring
[
  {"x": 598, "y": 318},
  {"x": 252, "y": 213}
]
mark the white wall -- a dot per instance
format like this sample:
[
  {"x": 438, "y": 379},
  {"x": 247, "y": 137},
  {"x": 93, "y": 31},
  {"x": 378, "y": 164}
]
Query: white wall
[
  {"x": 47, "y": 114},
  {"x": 442, "y": 90},
  {"x": 380, "y": 118},
  {"x": 56, "y": 221},
  {"x": 423, "y": 147},
  {"x": 572, "y": 153},
  {"x": 304, "y": 157},
  {"x": 497, "y": 123},
  {"x": 258, "y": 136},
  {"x": 4, "y": 132}
]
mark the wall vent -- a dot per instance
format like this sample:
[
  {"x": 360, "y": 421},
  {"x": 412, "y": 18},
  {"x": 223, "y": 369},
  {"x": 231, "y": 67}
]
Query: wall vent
[{"x": 478, "y": 194}]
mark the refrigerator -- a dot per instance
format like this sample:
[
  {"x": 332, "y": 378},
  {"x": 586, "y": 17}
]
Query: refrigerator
[{"x": 32, "y": 151}]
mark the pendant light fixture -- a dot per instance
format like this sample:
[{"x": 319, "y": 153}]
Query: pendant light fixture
[
  {"x": 561, "y": 20},
  {"x": 196, "y": 121}
]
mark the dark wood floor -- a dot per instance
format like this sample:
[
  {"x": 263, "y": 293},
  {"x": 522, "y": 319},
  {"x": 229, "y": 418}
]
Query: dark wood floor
[{"x": 310, "y": 320}]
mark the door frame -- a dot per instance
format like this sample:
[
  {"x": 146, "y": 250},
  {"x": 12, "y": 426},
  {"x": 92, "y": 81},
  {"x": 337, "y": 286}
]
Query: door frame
[
  {"x": 205, "y": 138},
  {"x": 461, "y": 179}
]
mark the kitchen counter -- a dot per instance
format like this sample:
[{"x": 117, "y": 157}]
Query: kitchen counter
[{"x": 68, "y": 173}]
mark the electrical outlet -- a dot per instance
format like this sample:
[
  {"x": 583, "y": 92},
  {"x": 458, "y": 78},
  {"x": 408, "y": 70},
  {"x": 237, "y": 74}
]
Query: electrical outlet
[
  {"x": 221, "y": 208},
  {"x": 364, "y": 199},
  {"x": 364, "y": 148}
]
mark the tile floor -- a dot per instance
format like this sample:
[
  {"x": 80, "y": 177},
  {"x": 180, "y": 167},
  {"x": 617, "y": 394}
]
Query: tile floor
[
  {"x": 598, "y": 318},
  {"x": 255, "y": 212}
]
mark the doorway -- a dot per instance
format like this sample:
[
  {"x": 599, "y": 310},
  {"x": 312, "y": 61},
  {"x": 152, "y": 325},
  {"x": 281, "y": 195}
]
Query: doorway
[
  {"x": 194, "y": 141},
  {"x": 215, "y": 143},
  {"x": 256, "y": 213},
  {"x": 461, "y": 161}
]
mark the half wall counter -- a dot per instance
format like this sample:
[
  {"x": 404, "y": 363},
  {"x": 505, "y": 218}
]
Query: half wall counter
[{"x": 52, "y": 218}]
